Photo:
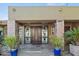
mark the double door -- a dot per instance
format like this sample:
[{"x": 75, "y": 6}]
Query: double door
[{"x": 36, "y": 35}]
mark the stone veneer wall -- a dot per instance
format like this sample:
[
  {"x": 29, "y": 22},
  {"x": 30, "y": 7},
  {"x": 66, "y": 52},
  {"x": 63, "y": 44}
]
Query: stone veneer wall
[
  {"x": 5, "y": 31},
  {"x": 17, "y": 31}
]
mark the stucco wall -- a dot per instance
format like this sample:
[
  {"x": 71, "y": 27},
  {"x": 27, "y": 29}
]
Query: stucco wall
[
  {"x": 33, "y": 13},
  {"x": 70, "y": 13},
  {"x": 43, "y": 13}
]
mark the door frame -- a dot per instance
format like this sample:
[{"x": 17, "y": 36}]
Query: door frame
[{"x": 37, "y": 25}]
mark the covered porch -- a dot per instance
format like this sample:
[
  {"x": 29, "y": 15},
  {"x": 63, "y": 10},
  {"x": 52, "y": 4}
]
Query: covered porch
[
  {"x": 36, "y": 31},
  {"x": 25, "y": 31}
]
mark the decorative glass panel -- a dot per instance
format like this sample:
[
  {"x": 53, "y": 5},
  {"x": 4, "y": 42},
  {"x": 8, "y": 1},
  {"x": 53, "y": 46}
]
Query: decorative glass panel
[
  {"x": 44, "y": 34},
  {"x": 27, "y": 35}
]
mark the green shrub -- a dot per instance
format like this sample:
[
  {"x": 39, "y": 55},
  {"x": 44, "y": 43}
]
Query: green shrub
[
  {"x": 56, "y": 41},
  {"x": 10, "y": 41},
  {"x": 72, "y": 35}
]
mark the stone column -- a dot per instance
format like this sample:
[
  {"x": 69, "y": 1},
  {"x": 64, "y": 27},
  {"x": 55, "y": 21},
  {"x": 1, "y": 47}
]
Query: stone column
[
  {"x": 5, "y": 31},
  {"x": 11, "y": 28},
  {"x": 59, "y": 27}
]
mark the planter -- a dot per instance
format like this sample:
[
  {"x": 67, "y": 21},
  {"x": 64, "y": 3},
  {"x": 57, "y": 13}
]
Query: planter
[
  {"x": 77, "y": 43},
  {"x": 14, "y": 52},
  {"x": 57, "y": 52},
  {"x": 74, "y": 50},
  {"x": 17, "y": 50}
]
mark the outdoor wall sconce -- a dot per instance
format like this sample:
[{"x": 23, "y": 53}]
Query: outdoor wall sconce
[
  {"x": 60, "y": 10},
  {"x": 14, "y": 10}
]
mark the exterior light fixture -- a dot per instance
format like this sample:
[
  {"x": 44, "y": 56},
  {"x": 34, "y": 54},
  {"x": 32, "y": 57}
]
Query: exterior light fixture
[
  {"x": 14, "y": 10},
  {"x": 60, "y": 10}
]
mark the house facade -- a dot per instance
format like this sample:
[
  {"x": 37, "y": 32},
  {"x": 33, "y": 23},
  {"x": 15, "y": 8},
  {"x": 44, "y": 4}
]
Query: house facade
[{"x": 35, "y": 24}]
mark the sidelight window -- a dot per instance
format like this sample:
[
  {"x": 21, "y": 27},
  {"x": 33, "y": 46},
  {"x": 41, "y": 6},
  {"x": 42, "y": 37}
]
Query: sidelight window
[
  {"x": 27, "y": 34},
  {"x": 44, "y": 34}
]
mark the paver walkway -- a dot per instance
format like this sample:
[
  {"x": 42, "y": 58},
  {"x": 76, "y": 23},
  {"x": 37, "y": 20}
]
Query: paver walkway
[{"x": 34, "y": 50}]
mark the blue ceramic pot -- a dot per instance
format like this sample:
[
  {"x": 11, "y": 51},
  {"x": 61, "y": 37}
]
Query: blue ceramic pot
[
  {"x": 17, "y": 50},
  {"x": 57, "y": 51},
  {"x": 13, "y": 52}
]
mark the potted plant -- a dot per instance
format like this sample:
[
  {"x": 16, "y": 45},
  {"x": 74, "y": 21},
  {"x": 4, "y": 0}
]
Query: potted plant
[
  {"x": 57, "y": 44},
  {"x": 11, "y": 42},
  {"x": 73, "y": 37}
]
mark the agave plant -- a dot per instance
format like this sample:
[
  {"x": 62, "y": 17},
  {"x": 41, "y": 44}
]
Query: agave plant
[
  {"x": 72, "y": 35},
  {"x": 10, "y": 41},
  {"x": 69, "y": 36}
]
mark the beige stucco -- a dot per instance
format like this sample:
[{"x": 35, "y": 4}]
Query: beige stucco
[
  {"x": 33, "y": 13},
  {"x": 43, "y": 13},
  {"x": 70, "y": 13}
]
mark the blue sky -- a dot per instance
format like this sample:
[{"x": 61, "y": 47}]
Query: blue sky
[{"x": 4, "y": 7}]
